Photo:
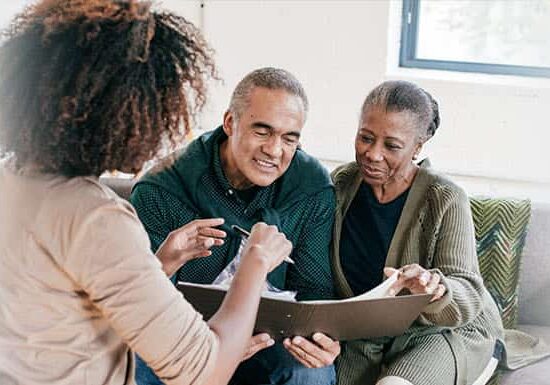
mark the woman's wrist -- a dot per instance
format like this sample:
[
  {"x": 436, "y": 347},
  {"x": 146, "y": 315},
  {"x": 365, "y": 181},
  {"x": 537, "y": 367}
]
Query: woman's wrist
[{"x": 254, "y": 257}]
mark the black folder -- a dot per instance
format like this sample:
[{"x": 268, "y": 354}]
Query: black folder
[{"x": 341, "y": 320}]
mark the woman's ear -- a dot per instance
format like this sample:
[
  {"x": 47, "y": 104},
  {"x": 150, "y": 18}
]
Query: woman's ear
[{"x": 417, "y": 150}]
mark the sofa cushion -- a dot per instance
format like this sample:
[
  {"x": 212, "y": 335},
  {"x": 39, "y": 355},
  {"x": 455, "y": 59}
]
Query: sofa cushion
[
  {"x": 122, "y": 186},
  {"x": 501, "y": 228},
  {"x": 534, "y": 374}
]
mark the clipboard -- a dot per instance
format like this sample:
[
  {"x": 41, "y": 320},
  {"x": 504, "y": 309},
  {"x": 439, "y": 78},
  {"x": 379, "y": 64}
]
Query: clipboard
[{"x": 364, "y": 316}]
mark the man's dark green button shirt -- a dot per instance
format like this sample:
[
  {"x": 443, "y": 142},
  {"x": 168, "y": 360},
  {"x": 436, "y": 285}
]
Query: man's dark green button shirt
[{"x": 301, "y": 203}]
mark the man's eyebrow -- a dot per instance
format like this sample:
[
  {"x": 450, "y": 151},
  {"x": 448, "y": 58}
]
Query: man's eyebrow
[
  {"x": 269, "y": 127},
  {"x": 296, "y": 134},
  {"x": 262, "y": 125}
]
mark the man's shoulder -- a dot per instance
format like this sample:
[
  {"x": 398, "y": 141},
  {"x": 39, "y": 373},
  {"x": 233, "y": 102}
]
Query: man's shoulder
[
  {"x": 305, "y": 178},
  {"x": 188, "y": 155},
  {"x": 183, "y": 166},
  {"x": 307, "y": 167}
]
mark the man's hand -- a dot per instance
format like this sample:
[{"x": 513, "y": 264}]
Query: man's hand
[
  {"x": 317, "y": 354},
  {"x": 257, "y": 343},
  {"x": 191, "y": 241},
  {"x": 418, "y": 280}
]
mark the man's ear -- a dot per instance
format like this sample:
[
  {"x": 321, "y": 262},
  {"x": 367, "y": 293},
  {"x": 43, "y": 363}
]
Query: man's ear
[{"x": 228, "y": 121}]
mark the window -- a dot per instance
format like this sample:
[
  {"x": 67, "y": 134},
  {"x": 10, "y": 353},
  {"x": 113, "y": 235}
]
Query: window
[{"x": 500, "y": 37}]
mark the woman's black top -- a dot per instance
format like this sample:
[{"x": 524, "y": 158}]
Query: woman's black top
[{"x": 367, "y": 232}]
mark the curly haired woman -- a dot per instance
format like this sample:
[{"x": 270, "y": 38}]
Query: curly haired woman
[{"x": 86, "y": 87}]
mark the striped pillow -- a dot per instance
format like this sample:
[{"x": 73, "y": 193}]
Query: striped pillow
[{"x": 501, "y": 227}]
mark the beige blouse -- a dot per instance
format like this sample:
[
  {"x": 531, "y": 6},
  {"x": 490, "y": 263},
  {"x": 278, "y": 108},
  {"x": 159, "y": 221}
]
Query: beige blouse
[{"x": 79, "y": 288}]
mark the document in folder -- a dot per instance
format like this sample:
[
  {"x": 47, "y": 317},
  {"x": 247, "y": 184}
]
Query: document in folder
[{"x": 372, "y": 314}]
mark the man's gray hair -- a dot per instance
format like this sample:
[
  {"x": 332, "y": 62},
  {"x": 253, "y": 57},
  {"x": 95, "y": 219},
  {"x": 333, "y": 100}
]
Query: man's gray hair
[{"x": 270, "y": 78}]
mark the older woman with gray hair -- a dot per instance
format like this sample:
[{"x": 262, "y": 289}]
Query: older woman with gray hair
[{"x": 396, "y": 214}]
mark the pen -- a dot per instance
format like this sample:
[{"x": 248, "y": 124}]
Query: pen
[{"x": 245, "y": 234}]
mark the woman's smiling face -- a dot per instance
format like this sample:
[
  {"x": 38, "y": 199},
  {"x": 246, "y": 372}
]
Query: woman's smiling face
[{"x": 385, "y": 145}]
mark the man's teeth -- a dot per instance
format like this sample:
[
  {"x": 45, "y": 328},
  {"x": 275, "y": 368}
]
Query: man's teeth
[{"x": 265, "y": 164}]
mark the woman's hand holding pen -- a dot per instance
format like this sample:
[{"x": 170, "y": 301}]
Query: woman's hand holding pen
[
  {"x": 191, "y": 241},
  {"x": 267, "y": 244},
  {"x": 245, "y": 234}
]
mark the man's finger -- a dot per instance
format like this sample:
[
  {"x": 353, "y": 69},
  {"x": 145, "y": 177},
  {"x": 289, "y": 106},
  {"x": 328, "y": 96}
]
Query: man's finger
[
  {"x": 298, "y": 353},
  {"x": 327, "y": 343},
  {"x": 315, "y": 355}
]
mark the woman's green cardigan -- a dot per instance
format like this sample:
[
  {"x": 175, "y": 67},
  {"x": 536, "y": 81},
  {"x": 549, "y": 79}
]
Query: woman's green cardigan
[{"x": 436, "y": 231}]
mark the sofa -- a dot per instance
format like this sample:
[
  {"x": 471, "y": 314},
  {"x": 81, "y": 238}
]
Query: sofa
[
  {"x": 528, "y": 305},
  {"x": 534, "y": 295}
]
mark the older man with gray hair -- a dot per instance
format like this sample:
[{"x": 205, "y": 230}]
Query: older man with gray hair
[{"x": 252, "y": 169}]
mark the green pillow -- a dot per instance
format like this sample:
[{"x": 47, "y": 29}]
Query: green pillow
[{"x": 501, "y": 227}]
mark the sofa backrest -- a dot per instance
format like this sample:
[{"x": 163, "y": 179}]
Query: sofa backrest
[
  {"x": 534, "y": 286},
  {"x": 122, "y": 186},
  {"x": 534, "y": 289}
]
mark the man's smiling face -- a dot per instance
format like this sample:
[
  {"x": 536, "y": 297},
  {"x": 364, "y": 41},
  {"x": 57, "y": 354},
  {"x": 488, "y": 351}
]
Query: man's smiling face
[{"x": 263, "y": 139}]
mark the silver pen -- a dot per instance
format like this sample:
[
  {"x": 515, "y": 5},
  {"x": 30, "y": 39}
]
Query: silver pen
[{"x": 245, "y": 234}]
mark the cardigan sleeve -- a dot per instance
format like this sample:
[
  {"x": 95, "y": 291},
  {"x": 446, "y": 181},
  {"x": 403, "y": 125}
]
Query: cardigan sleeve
[{"x": 455, "y": 259}]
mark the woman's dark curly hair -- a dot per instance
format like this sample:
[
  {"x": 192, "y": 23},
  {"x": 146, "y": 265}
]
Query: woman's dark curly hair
[{"x": 93, "y": 85}]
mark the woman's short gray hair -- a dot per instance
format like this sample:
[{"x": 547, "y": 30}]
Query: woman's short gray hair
[
  {"x": 270, "y": 78},
  {"x": 398, "y": 95}
]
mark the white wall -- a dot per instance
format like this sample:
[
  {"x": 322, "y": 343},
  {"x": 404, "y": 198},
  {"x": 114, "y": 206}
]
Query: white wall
[
  {"x": 322, "y": 42},
  {"x": 494, "y": 138}
]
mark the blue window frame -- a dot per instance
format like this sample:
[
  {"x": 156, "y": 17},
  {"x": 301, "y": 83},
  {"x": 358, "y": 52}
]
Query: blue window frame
[{"x": 452, "y": 43}]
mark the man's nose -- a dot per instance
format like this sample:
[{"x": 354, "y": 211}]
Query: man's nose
[{"x": 273, "y": 147}]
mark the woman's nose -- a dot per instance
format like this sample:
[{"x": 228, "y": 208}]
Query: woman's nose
[{"x": 374, "y": 154}]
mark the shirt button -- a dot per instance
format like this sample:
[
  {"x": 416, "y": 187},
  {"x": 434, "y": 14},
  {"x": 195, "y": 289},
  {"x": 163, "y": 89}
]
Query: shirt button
[{"x": 229, "y": 193}]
